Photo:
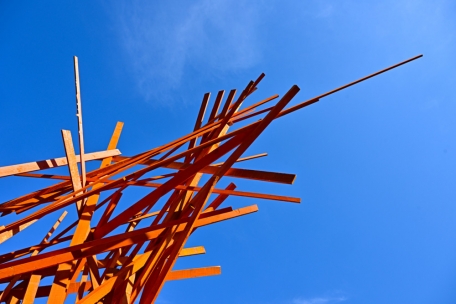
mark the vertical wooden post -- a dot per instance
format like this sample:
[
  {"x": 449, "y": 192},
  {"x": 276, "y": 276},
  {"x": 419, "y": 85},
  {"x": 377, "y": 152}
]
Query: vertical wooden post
[{"x": 79, "y": 116}]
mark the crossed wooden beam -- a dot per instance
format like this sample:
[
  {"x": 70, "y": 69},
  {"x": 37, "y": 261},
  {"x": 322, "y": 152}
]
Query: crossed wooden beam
[{"x": 127, "y": 252}]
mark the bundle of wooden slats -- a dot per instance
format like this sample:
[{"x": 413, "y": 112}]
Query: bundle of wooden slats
[{"x": 111, "y": 259}]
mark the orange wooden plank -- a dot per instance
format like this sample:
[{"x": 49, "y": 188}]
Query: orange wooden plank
[
  {"x": 72, "y": 164},
  {"x": 32, "y": 289},
  {"x": 267, "y": 176},
  {"x": 5, "y": 235},
  {"x": 245, "y": 158},
  {"x": 193, "y": 273},
  {"x": 185, "y": 252},
  {"x": 52, "y": 163},
  {"x": 216, "y": 105},
  {"x": 226, "y": 192},
  {"x": 227, "y": 104}
]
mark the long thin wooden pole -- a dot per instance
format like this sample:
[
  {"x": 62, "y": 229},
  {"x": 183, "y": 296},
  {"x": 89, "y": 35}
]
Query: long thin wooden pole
[{"x": 79, "y": 116}]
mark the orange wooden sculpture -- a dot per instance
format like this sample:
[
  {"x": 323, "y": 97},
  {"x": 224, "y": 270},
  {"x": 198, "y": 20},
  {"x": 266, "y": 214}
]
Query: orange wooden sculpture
[{"x": 110, "y": 260}]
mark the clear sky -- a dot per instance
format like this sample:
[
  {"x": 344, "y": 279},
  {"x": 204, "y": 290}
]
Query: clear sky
[{"x": 375, "y": 164}]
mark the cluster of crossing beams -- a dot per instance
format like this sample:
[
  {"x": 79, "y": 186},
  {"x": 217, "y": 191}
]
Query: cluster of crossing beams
[{"x": 107, "y": 258}]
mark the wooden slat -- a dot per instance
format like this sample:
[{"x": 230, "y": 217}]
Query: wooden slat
[
  {"x": 192, "y": 251},
  {"x": 266, "y": 196},
  {"x": 245, "y": 158},
  {"x": 53, "y": 162},
  {"x": 193, "y": 273},
  {"x": 216, "y": 106},
  {"x": 184, "y": 253},
  {"x": 266, "y": 176},
  {"x": 227, "y": 104},
  {"x": 72, "y": 163},
  {"x": 199, "y": 118},
  {"x": 79, "y": 116},
  {"x": 12, "y": 232}
]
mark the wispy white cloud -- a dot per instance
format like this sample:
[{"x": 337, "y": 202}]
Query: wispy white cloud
[
  {"x": 163, "y": 41},
  {"x": 320, "y": 300}
]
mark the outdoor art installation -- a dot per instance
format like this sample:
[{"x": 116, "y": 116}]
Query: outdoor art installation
[{"x": 106, "y": 257}]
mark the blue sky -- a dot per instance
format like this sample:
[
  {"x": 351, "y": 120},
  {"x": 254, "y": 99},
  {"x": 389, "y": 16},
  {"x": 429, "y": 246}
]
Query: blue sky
[{"x": 375, "y": 164}]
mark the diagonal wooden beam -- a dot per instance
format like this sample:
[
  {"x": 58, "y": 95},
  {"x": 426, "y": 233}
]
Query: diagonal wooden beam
[
  {"x": 72, "y": 163},
  {"x": 145, "y": 183},
  {"x": 260, "y": 175},
  {"x": 12, "y": 232},
  {"x": 216, "y": 106},
  {"x": 53, "y": 163}
]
